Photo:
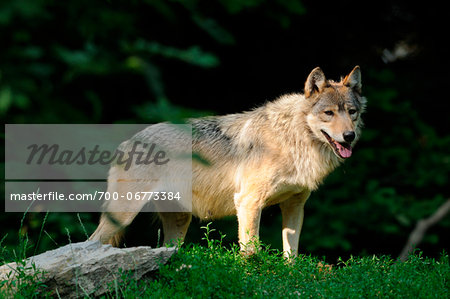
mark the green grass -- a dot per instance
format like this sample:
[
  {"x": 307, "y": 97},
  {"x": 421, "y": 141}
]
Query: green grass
[
  {"x": 26, "y": 279},
  {"x": 201, "y": 272},
  {"x": 216, "y": 271}
]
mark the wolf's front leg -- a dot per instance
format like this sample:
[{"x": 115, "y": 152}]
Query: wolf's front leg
[
  {"x": 249, "y": 216},
  {"x": 292, "y": 213}
]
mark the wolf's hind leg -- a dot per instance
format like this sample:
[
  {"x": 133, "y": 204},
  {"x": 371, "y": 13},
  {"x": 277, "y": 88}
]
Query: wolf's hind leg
[
  {"x": 112, "y": 224},
  {"x": 175, "y": 226},
  {"x": 118, "y": 213}
]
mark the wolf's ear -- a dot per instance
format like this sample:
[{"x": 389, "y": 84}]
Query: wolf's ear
[
  {"x": 316, "y": 82},
  {"x": 353, "y": 80}
]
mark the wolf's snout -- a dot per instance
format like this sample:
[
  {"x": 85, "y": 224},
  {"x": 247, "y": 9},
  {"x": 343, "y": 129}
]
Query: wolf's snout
[{"x": 349, "y": 136}]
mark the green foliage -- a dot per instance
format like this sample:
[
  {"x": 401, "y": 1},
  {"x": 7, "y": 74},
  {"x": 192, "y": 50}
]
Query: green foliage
[
  {"x": 194, "y": 55},
  {"x": 36, "y": 74},
  {"x": 133, "y": 62},
  {"x": 163, "y": 110}
]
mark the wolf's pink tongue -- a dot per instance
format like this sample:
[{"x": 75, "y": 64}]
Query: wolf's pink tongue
[{"x": 343, "y": 151}]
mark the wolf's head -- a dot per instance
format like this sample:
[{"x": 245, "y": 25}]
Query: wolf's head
[{"x": 335, "y": 110}]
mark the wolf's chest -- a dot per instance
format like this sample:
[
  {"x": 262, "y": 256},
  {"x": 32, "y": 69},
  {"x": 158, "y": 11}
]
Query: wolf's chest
[{"x": 309, "y": 168}]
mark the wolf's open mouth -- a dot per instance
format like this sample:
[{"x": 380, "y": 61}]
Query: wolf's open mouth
[{"x": 343, "y": 150}]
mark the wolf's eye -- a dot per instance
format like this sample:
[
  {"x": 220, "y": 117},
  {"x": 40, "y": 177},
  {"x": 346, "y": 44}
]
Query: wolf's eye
[
  {"x": 351, "y": 111},
  {"x": 329, "y": 113}
]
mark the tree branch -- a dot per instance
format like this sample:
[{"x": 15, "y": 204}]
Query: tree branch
[{"x": 422, "y": 226}]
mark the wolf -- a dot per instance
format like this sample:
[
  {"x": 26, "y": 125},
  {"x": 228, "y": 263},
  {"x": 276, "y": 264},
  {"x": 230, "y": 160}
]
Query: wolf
[{"x": 275, "y": 154}]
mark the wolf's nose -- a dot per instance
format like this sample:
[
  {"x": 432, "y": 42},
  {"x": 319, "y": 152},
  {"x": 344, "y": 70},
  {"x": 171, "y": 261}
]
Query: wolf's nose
[{"x": 349, "y": 136}]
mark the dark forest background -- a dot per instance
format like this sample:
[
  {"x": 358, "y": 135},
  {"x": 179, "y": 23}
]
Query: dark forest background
[{"x": 149, "y": 61}]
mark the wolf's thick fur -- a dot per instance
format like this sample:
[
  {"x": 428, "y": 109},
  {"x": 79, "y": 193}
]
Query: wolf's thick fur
[{"x": 275, "y": 154}]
